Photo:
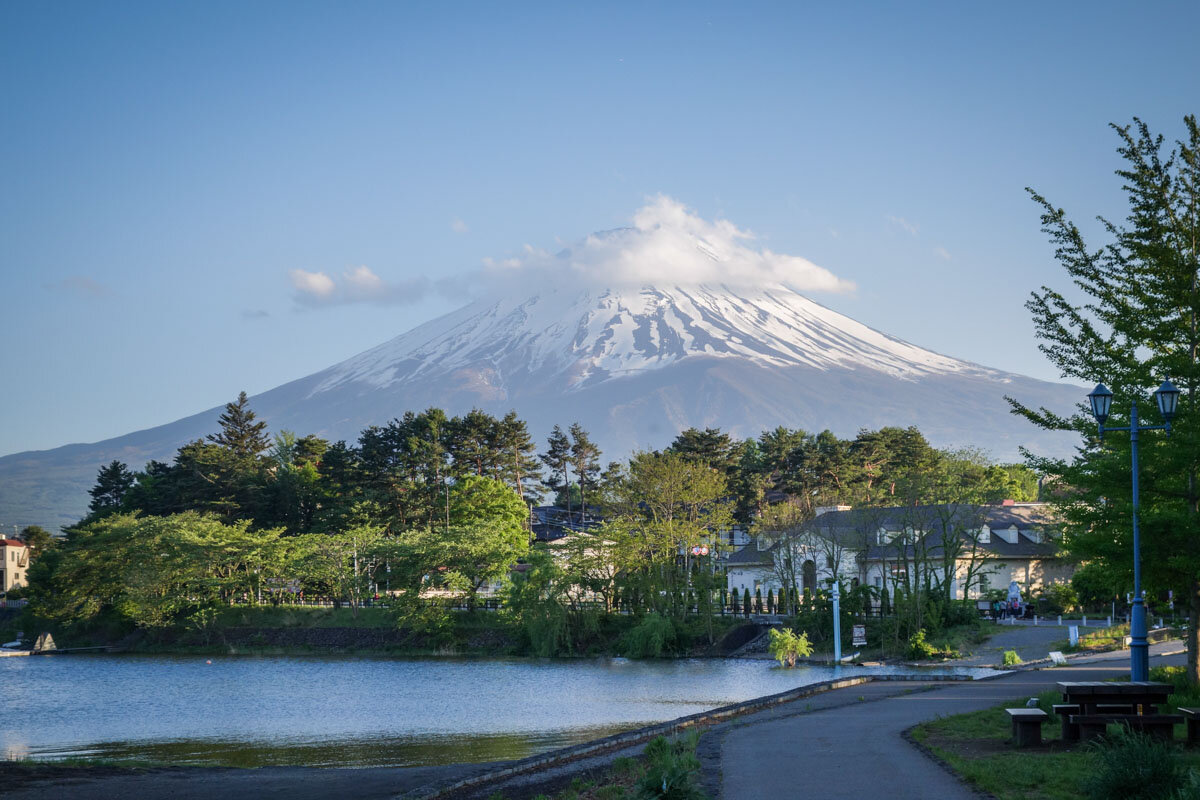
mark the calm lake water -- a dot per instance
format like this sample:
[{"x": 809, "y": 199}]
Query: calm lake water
[{"x": 248, "y": 711}]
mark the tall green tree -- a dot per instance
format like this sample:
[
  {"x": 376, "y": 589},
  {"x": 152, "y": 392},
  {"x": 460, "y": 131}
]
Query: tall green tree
[
  {"x": 242, "y": 433},
  {"x": 519, "y": 464},
  {"x": 585, "y": 458},
  {"x": 113, "y": 483},
  {"x": 37, "y": 539},
  {"x": 557, "y": 459},
  {"x": 1138, "y": 322}
]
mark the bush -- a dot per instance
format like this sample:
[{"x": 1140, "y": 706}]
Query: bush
[
  {"x": 1012, "y": 659},
  {"x": 786, "y": 646},
  {"x": 1132, "y": 766},
  {"x": 918, "y": 648},
  {"x": 650, "y": 638},
  {"x": 921, "y": 650},
  {"x": 672, "y": 770}
]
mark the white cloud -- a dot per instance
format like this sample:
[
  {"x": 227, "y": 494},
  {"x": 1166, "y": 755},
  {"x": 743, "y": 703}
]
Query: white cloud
[
  {"x": 903, "y": 223},
  {"x": 357, "y": 285},
  {"x": 942, "y": 252},
  {"x": 668, "y": 244},
  {"x": 458, "y": 226},
  {"x": 312, "y": 284}
]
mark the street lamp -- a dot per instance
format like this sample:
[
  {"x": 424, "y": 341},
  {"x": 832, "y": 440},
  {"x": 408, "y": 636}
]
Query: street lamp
[{"x": 1167, "y": 398}]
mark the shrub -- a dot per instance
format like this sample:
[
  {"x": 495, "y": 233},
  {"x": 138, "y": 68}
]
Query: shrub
[
  {"x": 786, "y": 646},
  {"x": 1132, "y": 766},
  {"x": 918, "y": 648},
  {"x": 672, "y": 770},
  {"x": 1011, "y": 659},
  {"x": 746, "y": 602},
  {"x": 650, "y": 638},
  {"x": 758, "y": 607}
]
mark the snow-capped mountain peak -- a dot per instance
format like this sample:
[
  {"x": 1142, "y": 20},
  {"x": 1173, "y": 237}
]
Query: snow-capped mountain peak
[{"x": 579, "y": 336}]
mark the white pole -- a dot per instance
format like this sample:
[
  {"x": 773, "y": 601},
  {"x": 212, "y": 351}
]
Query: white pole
[
  {"x": 1060, "y": 619},
  {"x": 1035, "y": 620},
  {"x": 837, "y": 625}
]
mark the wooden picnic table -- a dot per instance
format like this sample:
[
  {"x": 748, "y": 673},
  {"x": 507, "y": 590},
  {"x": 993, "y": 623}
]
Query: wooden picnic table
[{"x": 1143, "y": 697}]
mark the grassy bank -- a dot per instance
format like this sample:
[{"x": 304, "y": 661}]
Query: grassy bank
[
  {"x": 977, "y": 746},
  {"x": 305, "y": 630}
]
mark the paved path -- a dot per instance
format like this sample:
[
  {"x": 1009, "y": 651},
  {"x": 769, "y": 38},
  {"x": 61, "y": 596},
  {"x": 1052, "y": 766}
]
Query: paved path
[
  {"x": 1032, "y": 642},
  {"x": 858, "y": 750}
]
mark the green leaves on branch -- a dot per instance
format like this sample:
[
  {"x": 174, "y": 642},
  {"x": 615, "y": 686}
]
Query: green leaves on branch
[{"x": 787, "y": 646}]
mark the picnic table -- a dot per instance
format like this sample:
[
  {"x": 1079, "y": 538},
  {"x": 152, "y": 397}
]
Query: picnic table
[
  {"x": 1142, "y": 697},
  {"x": 1089, "y": 706}
]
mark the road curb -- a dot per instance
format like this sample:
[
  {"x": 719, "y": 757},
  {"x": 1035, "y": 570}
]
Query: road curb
[{"x": 638, "y": 735}]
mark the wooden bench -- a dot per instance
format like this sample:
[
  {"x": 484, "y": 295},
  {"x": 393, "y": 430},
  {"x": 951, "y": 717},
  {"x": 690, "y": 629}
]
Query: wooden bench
[
  {"x": 1027, "y": 725},
  {"x": 1159, "y": 726},
  {"x": 1192, "y": 717},
  {"x": 1070, "y": 731}
]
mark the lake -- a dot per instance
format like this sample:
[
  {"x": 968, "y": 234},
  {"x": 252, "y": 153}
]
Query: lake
[{"x": 357, "y": 711}]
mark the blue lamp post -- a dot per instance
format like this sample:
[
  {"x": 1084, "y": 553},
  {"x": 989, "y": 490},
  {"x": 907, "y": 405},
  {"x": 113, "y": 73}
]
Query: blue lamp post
[{"x": 1167, "y": 398}]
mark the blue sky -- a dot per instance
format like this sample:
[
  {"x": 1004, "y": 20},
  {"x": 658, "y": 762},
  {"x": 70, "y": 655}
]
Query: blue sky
[{"x": 168, "y": 166}]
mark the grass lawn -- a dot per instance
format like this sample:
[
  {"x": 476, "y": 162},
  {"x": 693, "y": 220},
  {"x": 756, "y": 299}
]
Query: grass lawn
[{"x": 976, "y": 745}]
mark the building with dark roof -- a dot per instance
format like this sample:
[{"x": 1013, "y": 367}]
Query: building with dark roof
[{"x": 986, "y": 546}]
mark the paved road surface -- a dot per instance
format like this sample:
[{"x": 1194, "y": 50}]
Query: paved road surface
[{"x": 857, "y": 751}]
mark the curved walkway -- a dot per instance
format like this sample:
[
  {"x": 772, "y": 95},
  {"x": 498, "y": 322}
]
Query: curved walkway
[{"x": 858, "y": 750}]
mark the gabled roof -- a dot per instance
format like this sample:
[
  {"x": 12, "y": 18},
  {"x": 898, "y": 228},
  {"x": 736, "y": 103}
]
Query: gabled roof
[
  {"x": 750, "y": 555},
  {"x": 857, "y": 528}
]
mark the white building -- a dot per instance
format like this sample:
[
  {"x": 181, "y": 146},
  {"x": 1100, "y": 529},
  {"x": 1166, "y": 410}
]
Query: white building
[{"x": 988, "y": 546}]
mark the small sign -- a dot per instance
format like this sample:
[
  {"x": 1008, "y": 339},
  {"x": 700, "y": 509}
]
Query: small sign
[
  {"x": 1073, "y": 635},
  {"x": 860, "y": 635},
  {"x": 1058, "y": 658}
]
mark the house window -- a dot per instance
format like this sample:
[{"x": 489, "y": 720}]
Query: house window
[
  {"x": 983, "y": 583},
  {"x": 878, "y": 582},
  {"x": 829, "y": 562},
  {"x": 985, "y": 535}
]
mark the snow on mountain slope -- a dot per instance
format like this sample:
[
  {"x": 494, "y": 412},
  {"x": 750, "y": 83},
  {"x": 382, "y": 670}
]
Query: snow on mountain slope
[{"x": 577, "y": 337}]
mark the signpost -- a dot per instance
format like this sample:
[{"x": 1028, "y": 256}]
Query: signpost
[{"x": 860, "y": 635}]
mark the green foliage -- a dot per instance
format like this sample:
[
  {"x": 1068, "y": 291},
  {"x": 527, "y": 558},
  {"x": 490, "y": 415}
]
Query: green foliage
[
  {"x": 1012, "y": 659},
  {"x": 1127, "y": 765},
  {"x": 672, "y": 770},
  {"x": 1059, "y": 597},
  {"x": 919, "y": 649},
  {"x": 1095, "y": 584},
  {"x": 786, "y": 646},
  {"x": 1137, "y": 327},
  {"x": 37, "y": 539},
  {"x": 652, "y": 637},
  {"x": 112, "y": 484}
]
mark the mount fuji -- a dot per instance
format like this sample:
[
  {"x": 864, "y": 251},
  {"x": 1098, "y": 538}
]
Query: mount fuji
[{"x": 635, "y": 365}]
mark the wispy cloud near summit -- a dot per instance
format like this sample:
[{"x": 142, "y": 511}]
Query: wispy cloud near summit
[{"x": 668, "y": 244}]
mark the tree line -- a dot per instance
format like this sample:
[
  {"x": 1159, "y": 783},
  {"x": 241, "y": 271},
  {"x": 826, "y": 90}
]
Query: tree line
[{"x": 399, "y": 476}]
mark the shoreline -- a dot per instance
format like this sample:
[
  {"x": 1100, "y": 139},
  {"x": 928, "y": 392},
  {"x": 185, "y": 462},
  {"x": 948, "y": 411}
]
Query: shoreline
[{"x": 448, "y": 780}]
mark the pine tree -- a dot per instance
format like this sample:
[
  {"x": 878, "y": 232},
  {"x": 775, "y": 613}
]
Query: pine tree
[
  {"x": 240, "y": 433},
  {"x": 113, "y": 483},
  {"x": 1140, "y": 324},
  {"x": 519, "y": 465},
  {"x": 557, "y": 459},
  {"x": 585, "y": 458}
]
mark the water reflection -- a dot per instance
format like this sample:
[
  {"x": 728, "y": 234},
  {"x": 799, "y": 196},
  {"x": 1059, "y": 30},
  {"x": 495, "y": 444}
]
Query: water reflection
[{"x": 329, "y": 711}]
